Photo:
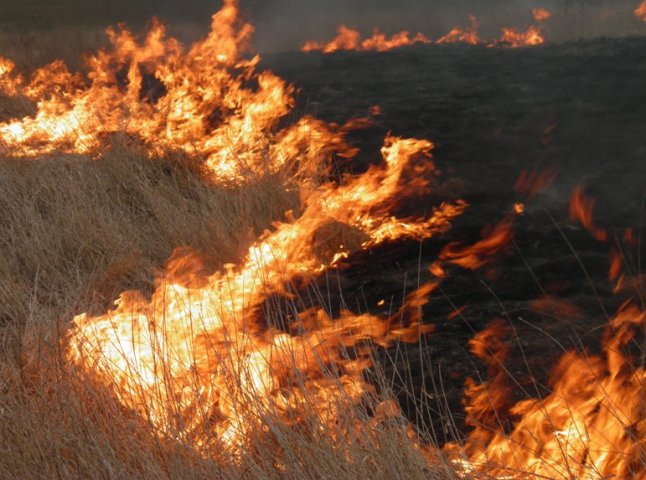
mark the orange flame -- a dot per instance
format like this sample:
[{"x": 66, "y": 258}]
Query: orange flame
[
  {"x": 467, "y": 35},
  {"x": 591, "y": 425},
  {"x": 205, "y": 101},
  {"x": 640, "y": 11},
  {"x": 531, "y": 183},
  {"x": 474, "y": 256},
  {"x": 205, "y": 360},
  {"x": 350, "y": 39},
  {"x": 205, "y": 344},
  {"x": 581, "y": 208},
  {"x": 9, "y": 82},
  {"x": 532, "y": 36},
  {"x": 541, "y": 14}
]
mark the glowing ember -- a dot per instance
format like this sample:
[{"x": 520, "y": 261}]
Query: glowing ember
[
  {"x": 350, "y": 39},
  {"x": 519, "y": 208}
]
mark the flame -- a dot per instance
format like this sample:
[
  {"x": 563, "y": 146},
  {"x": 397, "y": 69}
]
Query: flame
[
  {"x": 205, "y": 359},
  {"x": 640, "y": 11},
  {"x": 206, "y": 101},
  {"x": 541, "y": 14},
  {"x": 467, "y": 35},
  {"x": 9, "y": 82},
  {"x": 591, "y": 425},
  {"x": 199, "y": 345},
  {"x": 581, "y": 208},
  {"x": 531, "y": 37},
  {"x": 350, "y": 39},
  {"x": 530, "y": 183},
  {"x": 474, "y": 256}
]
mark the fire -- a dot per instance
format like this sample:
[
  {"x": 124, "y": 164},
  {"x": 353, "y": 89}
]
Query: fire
[
  {"x": 590, "y": 426},
  {"x": 592, "y": 423},
  {"x": 198, "y": 350},
  {"x": 347, "y": 39},
  {"x": 9, "y": 82},
  {"x": 206, "y": 101},
  {"x": 206, "y": 360},
  {"x": 641, "y": 11},
  {"x": 200, "y": 360},
  {"x": 467, "y": 35},
  {"x": 581, "y": 209},
  {"x": 541, "y": 14},
  {"x": 530, "y": 183},
  {"x": 474, "y": 256},
  {"x": 530, "y": 37},
  {"x": 350, "y": 39}
]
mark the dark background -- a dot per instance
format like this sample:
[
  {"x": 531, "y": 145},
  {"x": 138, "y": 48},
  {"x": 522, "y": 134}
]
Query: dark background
[{"x": 286, "y": 24}]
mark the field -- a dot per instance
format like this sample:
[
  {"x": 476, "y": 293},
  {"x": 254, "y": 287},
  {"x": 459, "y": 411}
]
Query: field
[{"x": 350, "y": 359}]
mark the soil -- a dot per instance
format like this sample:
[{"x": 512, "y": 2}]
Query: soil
[{"x": 492, "y": 113}]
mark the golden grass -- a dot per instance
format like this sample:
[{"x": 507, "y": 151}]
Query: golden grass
[
  {"x": 58, "y": 424},
  {"x": 75, "y": 232}
]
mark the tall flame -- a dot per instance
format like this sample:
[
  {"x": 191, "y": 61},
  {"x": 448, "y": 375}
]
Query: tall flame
[
  {"x": 195, "y": 334},
  {"x": 591, "y": 425},
  {"x": 206, "y": 101}
]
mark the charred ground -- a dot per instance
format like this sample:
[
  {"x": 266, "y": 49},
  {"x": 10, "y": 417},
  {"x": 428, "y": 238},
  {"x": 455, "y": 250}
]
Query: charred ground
[{"x": 492, "y": 113}]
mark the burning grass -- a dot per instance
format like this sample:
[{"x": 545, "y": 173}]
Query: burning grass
[
  {"x": 76, "y": 232},
  {"x": 199, "y": 373},
  {"x": 350, "y": 38}
]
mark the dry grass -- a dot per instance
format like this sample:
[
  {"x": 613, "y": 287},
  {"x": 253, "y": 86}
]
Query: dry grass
[
  {"x": 57, "y": 424},
  {"x": 30, "y": 48},
  {"x": 75, "y": 232}
]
